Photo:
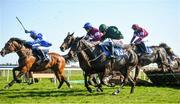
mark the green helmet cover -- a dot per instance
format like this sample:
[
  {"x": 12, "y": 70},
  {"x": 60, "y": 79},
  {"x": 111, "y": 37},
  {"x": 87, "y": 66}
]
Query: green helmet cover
[{"x": 102, "y": 27}]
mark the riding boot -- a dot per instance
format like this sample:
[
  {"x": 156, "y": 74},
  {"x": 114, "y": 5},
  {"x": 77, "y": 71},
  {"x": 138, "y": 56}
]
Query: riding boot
[
  {"x": 42, "y": 55},
  {"x": 143, "y": 47},
  {"x": 112, "y": 51}
]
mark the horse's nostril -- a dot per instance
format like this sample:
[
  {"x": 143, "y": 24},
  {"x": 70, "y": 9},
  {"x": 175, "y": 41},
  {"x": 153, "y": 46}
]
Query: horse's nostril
[
  {"x": 2, "y": 53},
  {"x": 62, "y": 49}
]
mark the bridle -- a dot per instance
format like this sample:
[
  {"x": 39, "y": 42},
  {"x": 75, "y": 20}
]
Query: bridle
[{"x": 10, "y": 45}]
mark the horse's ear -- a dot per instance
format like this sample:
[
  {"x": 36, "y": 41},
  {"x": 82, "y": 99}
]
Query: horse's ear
[
  {"x": 68, "y": 33},
  {"x": 72, "y": 33}
]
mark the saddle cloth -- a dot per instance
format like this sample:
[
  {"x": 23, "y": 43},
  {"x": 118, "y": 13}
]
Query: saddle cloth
[{"x": 118, "y": 51}]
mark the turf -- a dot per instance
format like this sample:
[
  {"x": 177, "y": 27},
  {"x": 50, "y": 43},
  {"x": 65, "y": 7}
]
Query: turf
[{"x": 46, "y": 92}]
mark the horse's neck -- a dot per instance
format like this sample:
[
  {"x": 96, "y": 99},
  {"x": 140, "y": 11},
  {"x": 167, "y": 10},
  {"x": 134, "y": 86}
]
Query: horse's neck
[
  {"x": 24, "y": 52},
  {"x": 89, "y": 50},
  {"x": 83, "y": 60}
]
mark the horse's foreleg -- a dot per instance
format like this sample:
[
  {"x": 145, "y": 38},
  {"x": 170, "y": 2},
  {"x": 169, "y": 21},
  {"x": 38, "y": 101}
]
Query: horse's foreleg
[
  {"x": 107, "y": 77},
  {"x": 118, "y": 90},
  {"x": 133, "y": 83},
  {"x": 27, "y": 78},
  {"x": 86, "y": 83},
  {"x": 94, "y": 80},
  {"x": 13, "y": 81},
  {"x": 14, "y": 74},
  {"x": 123, "y": 83},
  {"x": 137, "y": 70}
]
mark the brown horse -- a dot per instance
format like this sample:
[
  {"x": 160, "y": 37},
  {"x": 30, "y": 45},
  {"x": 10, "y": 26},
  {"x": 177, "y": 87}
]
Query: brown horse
[
  {"x": 27, "y": 61},
  {"x": 93, "y": 60}
]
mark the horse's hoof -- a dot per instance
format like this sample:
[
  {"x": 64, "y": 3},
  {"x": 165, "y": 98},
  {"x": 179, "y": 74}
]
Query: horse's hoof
[
  {"x": 36, "y": 80},
  {"x": 116, "y": 92},
  {"x": 18, "y": 81},
  {"x": 90, "y": 90},
  {"x": 6, "y": 87},
  {"x": 99, "y": 90},
  {"x": 30, "y": 83},
  {"x": 113, "y": 84}
]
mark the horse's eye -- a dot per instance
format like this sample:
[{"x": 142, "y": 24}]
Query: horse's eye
[{"x": 9, "y": 44}]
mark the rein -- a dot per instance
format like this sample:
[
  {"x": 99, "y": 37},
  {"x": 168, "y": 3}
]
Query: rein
[
  {"x": 88, "y": 48},
  {"x": 78, "y": 51},
  {"x": 18, "y": 49}
]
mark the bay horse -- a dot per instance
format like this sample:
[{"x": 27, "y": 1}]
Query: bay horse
[
  {"x": 93, "y": 60},
  {"x": 158, "y": 56},
  {"x": 27, "y": 61}
]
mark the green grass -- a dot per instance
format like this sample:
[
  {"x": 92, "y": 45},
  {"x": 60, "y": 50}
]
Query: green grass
[{"x": 46, "y": 92}]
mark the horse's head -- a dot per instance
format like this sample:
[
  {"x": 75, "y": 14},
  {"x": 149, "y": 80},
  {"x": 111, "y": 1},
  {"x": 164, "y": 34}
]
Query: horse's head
[
  {"x": 68, "y": 41},
  {"x": 72, "y": 43},
  {"x": 167, "y": 48},
  {"x": 75, "y": 47},
  {"x": 13, "y": 45}
]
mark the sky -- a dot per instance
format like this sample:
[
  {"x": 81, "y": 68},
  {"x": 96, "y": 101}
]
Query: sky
[{"x": 55, "y": 18}]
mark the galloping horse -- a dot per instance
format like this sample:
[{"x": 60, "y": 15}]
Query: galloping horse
[
  {"x": 27, "y": 61},
  {"x": 93, "y": 60},
  {"x": 158, "y": 56}
]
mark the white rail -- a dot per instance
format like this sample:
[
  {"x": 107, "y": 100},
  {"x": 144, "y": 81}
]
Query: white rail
[{"x": 6, "y": 71}]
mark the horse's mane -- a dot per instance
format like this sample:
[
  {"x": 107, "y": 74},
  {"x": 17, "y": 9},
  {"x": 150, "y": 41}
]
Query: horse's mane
[{"x": 20, "y": 41}]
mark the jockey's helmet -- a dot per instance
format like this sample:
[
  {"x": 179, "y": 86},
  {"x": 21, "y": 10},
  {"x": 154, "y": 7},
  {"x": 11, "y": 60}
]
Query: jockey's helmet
[
  {"x": 39, "y": 35},
  {"x": 87, "y": 26},
  {"x": 33, "y": 34},
  {"x": 103, "y": 28},
  {"x": 135, "y": 26}
]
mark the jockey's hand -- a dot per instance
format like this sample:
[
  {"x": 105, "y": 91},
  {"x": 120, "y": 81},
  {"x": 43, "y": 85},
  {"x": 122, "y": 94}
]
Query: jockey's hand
[{"x": 26, "y": 31}]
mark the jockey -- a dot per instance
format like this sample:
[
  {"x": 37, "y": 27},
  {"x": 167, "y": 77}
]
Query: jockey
[
  {"x": 141, "y": 34},
  {"x": 114, "y": 34},
  {"x": 93, "y": 34},
  {"x": 38, "y": 45}
]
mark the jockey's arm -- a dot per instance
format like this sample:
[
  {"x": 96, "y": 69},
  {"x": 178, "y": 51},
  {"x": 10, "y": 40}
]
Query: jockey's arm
[
  {"x": 133, "y": 38},
  {"x": 31, "y": 32},
  {"x": 138, "y": 40},
  {"x": 97, "y": 37},
  {"x": 34, "y": 42},
  {"x": 86, "y": 37}
]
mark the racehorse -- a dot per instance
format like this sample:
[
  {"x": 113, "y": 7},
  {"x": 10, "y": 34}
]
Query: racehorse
[
  {"x": 174, "y": 60},
  {"x": 27, "y": 61},
  {"x": 93, "y": 60},
  {"x": 158, "y": 55}
]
